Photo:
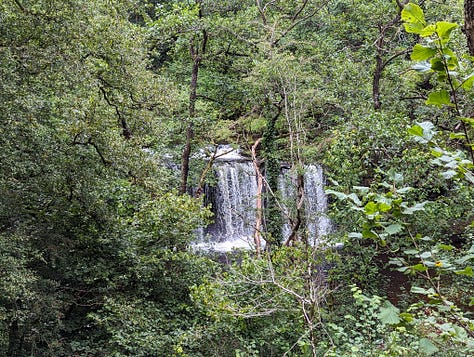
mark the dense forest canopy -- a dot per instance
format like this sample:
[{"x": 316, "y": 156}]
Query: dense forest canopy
[{"x": 106, "y": 109}]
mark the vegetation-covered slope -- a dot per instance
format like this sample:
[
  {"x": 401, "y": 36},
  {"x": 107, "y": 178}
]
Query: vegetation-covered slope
[{"x": 100, "y": 99}]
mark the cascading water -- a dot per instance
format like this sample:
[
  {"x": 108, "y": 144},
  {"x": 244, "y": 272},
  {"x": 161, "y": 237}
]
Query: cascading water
[
  {"x": 317, "y": 223},
  {"x": 233, "y": 201}
]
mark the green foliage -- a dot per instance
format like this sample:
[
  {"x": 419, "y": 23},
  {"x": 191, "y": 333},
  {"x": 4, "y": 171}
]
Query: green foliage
[
  {"x": 277, "y": 310},
  {"x": 80, "y": 196},
  {"x": 95, "y": 243},
  {"x": 388, "y": 212}
]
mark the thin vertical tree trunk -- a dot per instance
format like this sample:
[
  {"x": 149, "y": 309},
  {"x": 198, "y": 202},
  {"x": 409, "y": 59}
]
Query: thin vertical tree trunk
[
  {"x": 379, "y": 44},
  {"x": 196, "y": 53},
  {"x": 380, "y": 64},
  {"x": 297, "y": 222},
  {"x": 469, "y": 24},
  {"x": 190, "y": 127},
  {"x": 259, "y": 203},
  {"x": 14, "y": 340}
]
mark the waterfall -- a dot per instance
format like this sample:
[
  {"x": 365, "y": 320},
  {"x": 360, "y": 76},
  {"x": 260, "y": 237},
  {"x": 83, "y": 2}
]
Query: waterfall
[
  {"x": 233, "y": 202},
  {"x": 318, "y": 224}
]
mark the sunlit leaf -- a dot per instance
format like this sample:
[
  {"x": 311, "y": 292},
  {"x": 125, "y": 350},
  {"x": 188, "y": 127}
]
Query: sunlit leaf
[
  {"x": 371, "y": 208},
  {"x": 466, "y": 271},
  {"x": 428, "y": 30},
  {"x": 414, "y": 19},
  {"x": 419, "y": 267},
  {"x": 416, "y": 130},
  {"x": 421, "y": 53},
  {"x": 469, "y": 121},
  {"x": 468, "y": 82},
  {"x": 439, "y": 98},
  {"x": 455, "y": 136},
  {"x": 446, "y": 247},
  {"x": 406, "y": 316},
  {"x": 384, "y": 207},
  {"x": 444, "y": 29}
]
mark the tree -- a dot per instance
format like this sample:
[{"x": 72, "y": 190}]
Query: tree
[
  {"x": 79, "y": 184},
  {"x": 469, "y": 24}
]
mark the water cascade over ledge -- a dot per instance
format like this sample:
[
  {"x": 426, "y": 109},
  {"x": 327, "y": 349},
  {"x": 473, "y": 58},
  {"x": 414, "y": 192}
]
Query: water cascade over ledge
[{"x": 233, "y": 198}]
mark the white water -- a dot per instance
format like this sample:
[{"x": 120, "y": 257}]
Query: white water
[
  {"x": 233, "y": 198},
  {"x": 318, "y": 224}
]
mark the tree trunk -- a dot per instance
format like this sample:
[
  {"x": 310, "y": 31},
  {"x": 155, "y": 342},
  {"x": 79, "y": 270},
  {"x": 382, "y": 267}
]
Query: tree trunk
[
  {"x": 297, "y": 222},
  {"x": 469, "y": 24},
  {"x": 380, "y": 64},
  {"x": 189, "y": 129},
  {"x": 14, "y": 344},
  {"x": 273, "y": 218},
  {"x": 378, "y": 69},
  {"x": 259, "y": 204},
  {"x": 196, "y": 52}
]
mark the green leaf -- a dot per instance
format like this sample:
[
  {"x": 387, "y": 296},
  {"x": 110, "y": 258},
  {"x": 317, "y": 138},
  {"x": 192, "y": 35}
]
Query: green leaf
[
  {"x": 428, "y": 30},
  {"x": 425, "y": 255},
  {"x": 439, "y": 98},
  {"x": 416, "y": 130},
  {"x": 366, "y": 233},
  {"x": 415, "y": 208},
  {"x": 446, "y": 247},
  {"x": 466, "y": 271},
  {"x": 455, "y": 136},
  {"x": 406, "y": 316},
  {"x": 423, "y": 132},
  {"x": 469, "y": 121},
  {"x": 424, "y": 66},
  {"x": 421, "y": 53},
  {"x": 427, "y": 347},
  {"x": 451, "y": 59},
  {"x": 339, "y": 195},
  {"x": 384, "y": 207},
  {"x": 389, "y": 314},
  {"x": 394, "y": 228},
  {"x": 468, "y": 82},
  {"x": 444, "y": 29},
  {"x": 414, "y": 18},
  {"x": 418, "y": 290},
  {"x": 419, "y": 267},
  {"x": 371, "y": 208},
  {"x": 356, "y": 235},
  {"x": 447, "y": 175},
  {"x": 438, "y": 65}
]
